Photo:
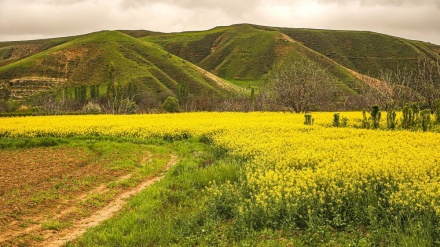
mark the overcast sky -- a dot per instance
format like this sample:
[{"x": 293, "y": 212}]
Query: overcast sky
[{"x": 35, "y": 19}]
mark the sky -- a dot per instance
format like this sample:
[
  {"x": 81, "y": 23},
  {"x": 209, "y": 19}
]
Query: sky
[{"x": 36, "y": 19}]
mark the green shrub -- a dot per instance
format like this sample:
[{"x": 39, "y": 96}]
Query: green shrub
[
  {"x": 425, "y": 119},
  {"x": 339, "y": 121},
  {"x": 365, "y": 121},
  {"x": 373, "y": 120},
  {"x": 391, "y": 119},
  {"x": 308, "y": 119},
  {"x": 336, "y": 120},
  {"x": 411, "y": 116},
  {"x": 375, "y": 116},
  {"x": 171, "y": 104},
  {"x": 344, "y": 122}
]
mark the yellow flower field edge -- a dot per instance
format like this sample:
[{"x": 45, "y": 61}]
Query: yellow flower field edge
[{"x": 292, "y": 175}]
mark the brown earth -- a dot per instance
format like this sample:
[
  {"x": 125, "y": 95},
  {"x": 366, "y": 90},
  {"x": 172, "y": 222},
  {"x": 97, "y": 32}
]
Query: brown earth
[
  {"x": 59, "y": 184},
  {"x": 69, "y": 234}
]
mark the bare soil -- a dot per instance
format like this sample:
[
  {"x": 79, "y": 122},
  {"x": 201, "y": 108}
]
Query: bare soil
[
  {"x": 69, "y": 234},
  {"x": 42, "y": 185}
]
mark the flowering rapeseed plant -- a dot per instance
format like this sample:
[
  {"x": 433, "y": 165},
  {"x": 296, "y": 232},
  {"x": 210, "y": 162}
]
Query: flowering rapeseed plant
[{"x": 293, "y": 170}]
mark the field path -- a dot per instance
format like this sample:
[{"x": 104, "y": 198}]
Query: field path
[
  {"x": 61, "y": 237},
  {"x": 80, "y": 225}
]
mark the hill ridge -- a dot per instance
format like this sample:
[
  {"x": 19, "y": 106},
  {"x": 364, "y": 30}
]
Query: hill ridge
[{"x": 210, "y": 64}]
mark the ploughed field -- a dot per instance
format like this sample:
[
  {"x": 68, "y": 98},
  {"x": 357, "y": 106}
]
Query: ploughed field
[{"x": 260, "y": 178}]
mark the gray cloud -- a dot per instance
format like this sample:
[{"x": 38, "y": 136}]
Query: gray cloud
[
  {"x": 30, "y": 19},
  {"x": 385, "y": 2}
]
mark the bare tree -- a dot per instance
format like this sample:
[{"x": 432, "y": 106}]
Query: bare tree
[
  {"x": 428, "y": 80},
  {"x": 398, "y": 83},
  {"x": 298, "y": 83},
  {"x": 48, "y": 102}
]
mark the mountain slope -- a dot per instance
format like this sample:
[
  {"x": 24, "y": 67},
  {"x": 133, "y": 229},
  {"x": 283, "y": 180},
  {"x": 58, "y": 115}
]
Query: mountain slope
[
  {"x": 85, "y": 61},
  {"x": 244, "y": 52},
  {"x": 203, "y": 63},
  {"x": 13, "y": 51},
  {"x": 364, "y": 52},
  {"x": 239, "y": 52}
]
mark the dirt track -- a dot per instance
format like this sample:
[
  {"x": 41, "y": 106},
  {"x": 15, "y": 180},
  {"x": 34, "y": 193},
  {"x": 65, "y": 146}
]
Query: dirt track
[
  {"x": 59, "y": 238},
  {"x": 21, "y": 221}
]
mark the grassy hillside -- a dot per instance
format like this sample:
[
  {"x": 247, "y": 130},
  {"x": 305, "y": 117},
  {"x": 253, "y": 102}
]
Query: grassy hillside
[
  {"x": 15, "y": 50},
  {"x": 204, "y": 62},
  {"x": 85, "y": 61},
  {"x": 364, "y": 52},
  {"x": 235, "y": 53},
  {"x": 244, "y": 53}
]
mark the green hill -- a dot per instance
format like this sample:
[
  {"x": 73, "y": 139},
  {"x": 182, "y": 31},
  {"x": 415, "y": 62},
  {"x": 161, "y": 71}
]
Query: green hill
[
  {"x": 203, "y": 64},
  {"x": 85, "y": 61},
  {"x": 248, "y": 51},
  {"x": 244, "y": 53},
  {"x": 364, "y": 52},
  {"x": 15, "y": 50},
  {"x": 234, "y": 53}
]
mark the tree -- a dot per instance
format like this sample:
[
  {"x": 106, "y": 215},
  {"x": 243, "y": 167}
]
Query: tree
[
  {"x": 120, "y": 98},
  {"x": 298, "y": 83},
  {"x": 49, "y": 102},
  {"x": 183, "y": 95},
  {"x": 397, "y": 90},
  {"x": 428, "y": 80},
  {"x": 171, "y": 104},
  {"x": 111, "y": 81},
  {"x": 94, "y": 91}
]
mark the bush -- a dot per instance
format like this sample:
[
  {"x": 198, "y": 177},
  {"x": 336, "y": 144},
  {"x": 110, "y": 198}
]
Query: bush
[
  {"x": 373, "y": 120},
  {"x": 339, "y": 121},
  {"x": 411, "y": 116},
  {"x": 391, "y": 119},
  {"x": 9, "y": 106},
  {"x": 171, "y": 104},
  {"x": 128, "y": 107},
  {"x": 308, "y": 119},
  {"x": 375, "y": 116},
  {"x": 336, "y": 120},
  {"x": 425, "y": 119},
  {"x": 365, "y": 121},
  {"x": 91, "y": 108}
]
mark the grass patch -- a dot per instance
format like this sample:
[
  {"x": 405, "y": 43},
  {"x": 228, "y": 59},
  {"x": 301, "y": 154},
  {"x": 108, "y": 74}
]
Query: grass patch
[
  {"x": 166, "y": 212},
  {"x": 187, "y": 208},
  {"x": 21, "y": 143},
  {"x": 55, "y": 225}
]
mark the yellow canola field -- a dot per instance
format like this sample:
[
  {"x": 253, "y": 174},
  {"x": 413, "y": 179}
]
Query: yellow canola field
[{"x": 289, "y": 166}]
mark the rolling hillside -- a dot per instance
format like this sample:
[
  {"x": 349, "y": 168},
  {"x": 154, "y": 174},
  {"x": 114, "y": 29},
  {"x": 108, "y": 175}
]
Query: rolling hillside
[
  {"x": 13, "y": 51},
  {"x": 246, "y": 52},
  {"x": 206, "y": 63},
  {"x": 85, "y": 60},
  {"x": 364, "y": 52}
]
